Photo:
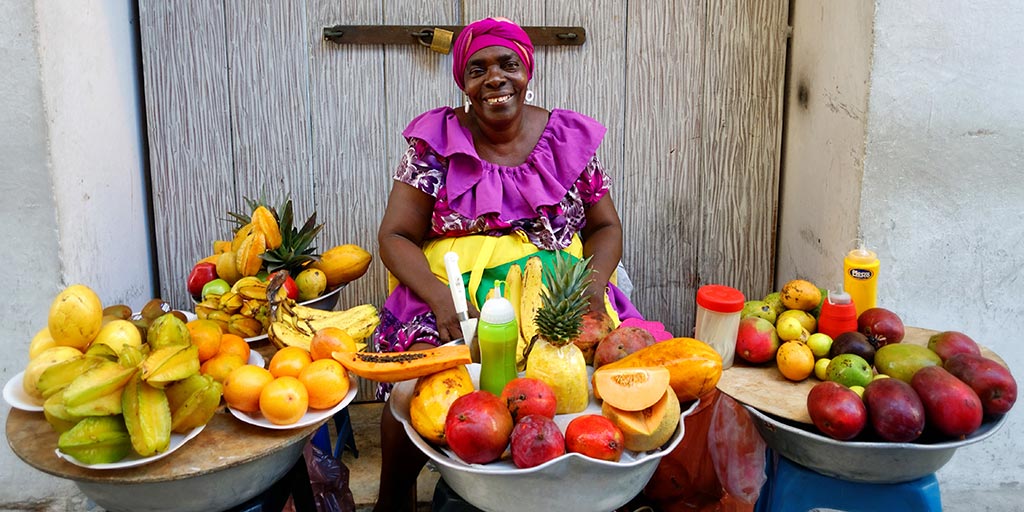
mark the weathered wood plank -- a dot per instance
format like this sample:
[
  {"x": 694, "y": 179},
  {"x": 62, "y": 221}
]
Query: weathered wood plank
[
  {"x": 742, "y": 111},
  {"x": 662, "y": 134},
  {"x": 190, "y": 156}
]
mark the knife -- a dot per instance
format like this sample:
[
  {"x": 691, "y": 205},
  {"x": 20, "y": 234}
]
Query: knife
[{"x": 458, "y": 289}]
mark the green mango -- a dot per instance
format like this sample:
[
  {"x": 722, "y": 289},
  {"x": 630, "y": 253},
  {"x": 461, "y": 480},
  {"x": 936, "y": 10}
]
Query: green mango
[{"x": 902, "y": 360}]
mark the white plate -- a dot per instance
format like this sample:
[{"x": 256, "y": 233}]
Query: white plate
[
  {"x": 132, "y": 460},
  {"x": 261, "y": 337},
  {"x": 312, "y": 416},
  {"x": 15, "y": 395},
  {"x": 256, "y": 359}
]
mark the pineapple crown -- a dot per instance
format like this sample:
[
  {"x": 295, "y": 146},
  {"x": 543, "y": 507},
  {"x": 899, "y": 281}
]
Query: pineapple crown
[{"x": 563, "y": 304}]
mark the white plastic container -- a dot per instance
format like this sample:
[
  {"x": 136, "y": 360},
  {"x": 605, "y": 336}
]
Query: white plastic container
[{"x": 718, "y": 319}]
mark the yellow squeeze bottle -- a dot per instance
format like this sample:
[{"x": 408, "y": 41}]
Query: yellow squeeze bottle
[{"x": 860, "y": 277}]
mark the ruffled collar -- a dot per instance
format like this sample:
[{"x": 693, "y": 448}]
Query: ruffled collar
[{"x": 477, "y": 187}]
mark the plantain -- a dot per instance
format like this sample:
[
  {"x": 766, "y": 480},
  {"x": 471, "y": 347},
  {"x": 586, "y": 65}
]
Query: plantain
[
  {"x": 533, "y": 287},
  {"x": 166, "y": 365},
  {"x": 147, "y": 416},
  {"x": 514, "y": 294}
]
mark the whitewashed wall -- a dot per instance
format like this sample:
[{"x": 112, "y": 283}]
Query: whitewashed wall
[
  {"x": 74, "y": 200},
  {"x": 905, "y": 124}
]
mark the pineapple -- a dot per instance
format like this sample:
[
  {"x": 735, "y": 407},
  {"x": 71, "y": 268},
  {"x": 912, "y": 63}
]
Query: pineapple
[
  {"x": 296, "y": 250},
  {"x": 553, "y": 357}
]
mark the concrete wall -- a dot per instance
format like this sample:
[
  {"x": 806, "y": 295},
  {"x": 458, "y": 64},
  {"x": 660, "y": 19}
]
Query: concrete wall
[
  {"x": 72, "y": 183},
  {"x": 943, "y": 197}
]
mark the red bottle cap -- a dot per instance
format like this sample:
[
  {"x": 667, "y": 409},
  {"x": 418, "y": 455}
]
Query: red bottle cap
[{"x": 720, "y": 298}]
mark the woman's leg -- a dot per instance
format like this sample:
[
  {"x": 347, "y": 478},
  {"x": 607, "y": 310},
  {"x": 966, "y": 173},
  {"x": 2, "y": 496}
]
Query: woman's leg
[{"x": 401, "y": 462}]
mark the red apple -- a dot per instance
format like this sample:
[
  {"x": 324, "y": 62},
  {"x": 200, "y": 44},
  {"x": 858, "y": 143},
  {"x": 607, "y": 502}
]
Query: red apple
[
  {"x": 536, "y": 440},
  {"x": 595, "y": 436},
  {"x": 756, "y": 340},
  {"x": 620, "y": 343},
  {"x": 525, "y": 396},
  {"x": 202, "y": 273},
  {"x": 836, "y": 410},
  {"x": 477, "y": 427}
]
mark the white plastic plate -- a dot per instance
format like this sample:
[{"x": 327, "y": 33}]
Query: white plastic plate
[
  {"x": 177, "y": 441},
  {"x": 312, "y": 416},
  {"x": 15, "y": 395}
]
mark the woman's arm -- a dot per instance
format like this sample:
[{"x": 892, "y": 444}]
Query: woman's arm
[
  {"x": 602, "y": 240},
  {"x": 405, "y": 225}
]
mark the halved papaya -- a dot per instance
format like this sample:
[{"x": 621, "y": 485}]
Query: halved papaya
[
  {"x": 631, "y": 389},
  {"x": 647, "y": 429},
  {"x": 399, "y": 366}
]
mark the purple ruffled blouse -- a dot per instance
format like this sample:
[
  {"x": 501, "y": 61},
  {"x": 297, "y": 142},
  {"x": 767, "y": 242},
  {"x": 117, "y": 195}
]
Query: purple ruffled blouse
[{"x": 544, "y": 197}]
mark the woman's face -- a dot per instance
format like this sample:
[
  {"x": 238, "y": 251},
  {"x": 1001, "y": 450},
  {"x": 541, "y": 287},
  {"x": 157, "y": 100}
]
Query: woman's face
[{"x": 496, "y": 83}]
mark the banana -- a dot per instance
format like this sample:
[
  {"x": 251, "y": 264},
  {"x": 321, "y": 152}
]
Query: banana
[
  {"x": 530, "y": 301},
  {"x": 296, "y": 325},
  {"x": 514, "y": 294},
  {"x": 147, "y": 416}
]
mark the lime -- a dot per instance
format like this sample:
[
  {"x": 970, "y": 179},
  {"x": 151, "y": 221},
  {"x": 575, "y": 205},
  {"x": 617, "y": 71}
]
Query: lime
[
  {"x": 821, "y": 367},
  {"x": 849, "y": 370}
]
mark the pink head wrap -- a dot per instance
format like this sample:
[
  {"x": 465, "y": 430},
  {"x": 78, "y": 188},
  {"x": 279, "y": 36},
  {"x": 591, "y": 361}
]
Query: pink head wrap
[{"x": 490, "y": 32}]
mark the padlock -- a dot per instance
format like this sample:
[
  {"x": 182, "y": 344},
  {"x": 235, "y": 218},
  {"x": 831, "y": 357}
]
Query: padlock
[{"x": 441, "y": 42}]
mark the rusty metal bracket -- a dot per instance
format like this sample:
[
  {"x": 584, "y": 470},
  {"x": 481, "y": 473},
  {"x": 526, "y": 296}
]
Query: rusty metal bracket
[{"x": 439, "y": 37}]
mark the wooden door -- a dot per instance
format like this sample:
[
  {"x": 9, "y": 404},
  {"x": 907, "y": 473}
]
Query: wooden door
[{"x": 245, "y": 98}]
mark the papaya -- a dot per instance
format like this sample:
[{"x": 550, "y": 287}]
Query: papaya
[
  {"x": 694, "y": 367},
  {"x": 646, "y": 429},
  {"x": 631, "y": 389},
  {"x": 399, "y": 366},
  {"x": 433, "y": 396},
  {"x": 343, "y": 264}
]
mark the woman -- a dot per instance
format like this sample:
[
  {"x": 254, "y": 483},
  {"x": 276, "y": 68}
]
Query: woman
[{"x": 499, "y": 180}]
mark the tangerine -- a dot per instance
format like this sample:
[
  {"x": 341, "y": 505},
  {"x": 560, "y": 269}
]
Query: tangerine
[
  {"x": 289, "y": 361},
  {"x": 328, "y": 340},
  {"x": 220, "y": 366},
  {"x": 795, "y": 360},
  {"x": 205, "y": 335},
  {"x": 234, "y": 344},
  {"x": 326, "y": 382},
  {"x": 243, "y": 386},
  {"x": 284, "y": 400}
]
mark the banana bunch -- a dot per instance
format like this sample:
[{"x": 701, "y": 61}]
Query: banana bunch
[
  {"x": 523, "y": 288},
  {"x": 107, "y": 406},
  {"x": 294, "y": 325},
  {"x": 243, "y": 310}
]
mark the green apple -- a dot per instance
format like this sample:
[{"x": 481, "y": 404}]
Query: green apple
[
  {"x": 819, "y": 343},
  {"x": 216, "y": 287}
]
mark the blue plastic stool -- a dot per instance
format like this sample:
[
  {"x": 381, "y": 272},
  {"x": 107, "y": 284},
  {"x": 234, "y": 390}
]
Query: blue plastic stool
[
  {"x": 346, "y": 437},
  {"x": 794, "y": 488}
]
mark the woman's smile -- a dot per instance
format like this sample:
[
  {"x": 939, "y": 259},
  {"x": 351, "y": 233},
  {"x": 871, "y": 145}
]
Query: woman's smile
[{"x": 498, "y": 100}]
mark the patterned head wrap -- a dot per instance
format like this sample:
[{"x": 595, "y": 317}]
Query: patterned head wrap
[{"x": 490, "y": 32}]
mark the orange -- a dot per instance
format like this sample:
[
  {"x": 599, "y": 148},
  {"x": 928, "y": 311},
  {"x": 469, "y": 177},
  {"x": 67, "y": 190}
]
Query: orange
[
  {"x": 328, "y": 340},
  {"x": 289, "y": 361},
  {"x": 284, "y": 400},
  {"x": 234, "y": 344},
  {"x": 326, "y": 382},
  {"x": 205, "y": 335},
  {"x": 243, "y": 385},
  {"x": 220, "y": 366},
  {"x": 795, "y": 360}
]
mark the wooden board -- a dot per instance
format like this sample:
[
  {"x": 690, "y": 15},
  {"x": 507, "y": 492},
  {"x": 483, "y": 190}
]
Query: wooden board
[{"x": 765, "y": 389}]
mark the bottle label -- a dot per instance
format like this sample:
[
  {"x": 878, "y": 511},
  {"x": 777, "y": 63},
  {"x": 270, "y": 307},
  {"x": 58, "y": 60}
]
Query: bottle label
[{"x": 861, "y": 273}]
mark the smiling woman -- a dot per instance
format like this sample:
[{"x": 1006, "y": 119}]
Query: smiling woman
[{"x": 497, "y": 182}]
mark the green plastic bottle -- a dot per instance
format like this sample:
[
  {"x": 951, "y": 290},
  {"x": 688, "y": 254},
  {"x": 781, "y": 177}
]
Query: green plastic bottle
[{"x": 497, "y": 334}]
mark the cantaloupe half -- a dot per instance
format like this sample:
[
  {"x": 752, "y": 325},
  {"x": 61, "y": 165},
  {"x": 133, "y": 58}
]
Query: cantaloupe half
[
  {"x": 631, "y": 389},
  {"x": 647, "y": 429}
]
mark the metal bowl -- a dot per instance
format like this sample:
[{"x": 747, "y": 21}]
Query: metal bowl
[
  {"x": 585, "y": 483},
  {"x": 861, "y": 461}
]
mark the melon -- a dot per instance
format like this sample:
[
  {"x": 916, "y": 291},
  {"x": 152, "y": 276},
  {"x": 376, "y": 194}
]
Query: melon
[
  {"x": 649, "y": 428},
  {"x": 631, "y": 389}
]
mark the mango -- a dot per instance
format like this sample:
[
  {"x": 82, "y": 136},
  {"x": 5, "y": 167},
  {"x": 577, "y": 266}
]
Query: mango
[
  {"x": 951, "y": 406},
  {"x": 903, "y": 360},
  {"x": 895, "y": 411}
]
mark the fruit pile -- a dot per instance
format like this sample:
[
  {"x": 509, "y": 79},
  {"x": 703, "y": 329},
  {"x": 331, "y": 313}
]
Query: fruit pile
[
  {"x": 265, "y": 242},
  {"x": 872, "y": 383},
  {"x": 296, "y": 380},
  {"x": 112, "y": 384}
]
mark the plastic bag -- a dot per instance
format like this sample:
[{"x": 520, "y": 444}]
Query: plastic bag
[
  {"x": 328, "y": 477},
  {"x": 737, "y": 450}
]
